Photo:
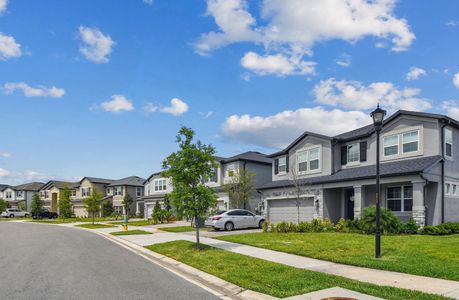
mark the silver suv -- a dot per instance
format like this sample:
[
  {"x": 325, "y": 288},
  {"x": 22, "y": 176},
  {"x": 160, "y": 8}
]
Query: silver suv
[
  {"x": 235, "y": 219},
  {"x": 14, "y": 213}
]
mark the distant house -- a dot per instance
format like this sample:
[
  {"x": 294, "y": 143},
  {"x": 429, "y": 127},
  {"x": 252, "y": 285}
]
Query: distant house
[
  {"x": 118, "y": 189},
  {"x": 50, "y": 192},
  {"x": 84, "y": 189},
  {"x": 25, "y": 192}
]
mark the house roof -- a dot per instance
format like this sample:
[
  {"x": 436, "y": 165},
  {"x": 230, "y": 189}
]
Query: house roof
[
  {"x": 3, "y": 187},
  {"x": 252, "y": 156},
  {"x": 97, "y": 180},
  {"x": 299, "y": 139},
  {"x": 131, "y": 181},
  {"x": 61, "y": 184},
  {"x": 31, "y": 186},
  {"x": 396, "y": 168}
]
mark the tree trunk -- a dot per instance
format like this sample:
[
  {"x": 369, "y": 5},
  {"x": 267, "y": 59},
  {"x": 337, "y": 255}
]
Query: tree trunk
[
  {"x": 197, "y": 233},
  {"x": 93, "y": 217}
]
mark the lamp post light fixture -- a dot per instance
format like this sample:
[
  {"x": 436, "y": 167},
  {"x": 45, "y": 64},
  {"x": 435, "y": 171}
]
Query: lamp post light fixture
[{"x": 378, "y": 118}]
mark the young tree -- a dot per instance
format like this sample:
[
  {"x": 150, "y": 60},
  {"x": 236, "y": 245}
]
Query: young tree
[
  {"x": 127, "y": 202},
  {"x": 157, "y": 214},
  {"x": 107, "y": 209},
  {"x": 299, "y": 190},
  {"x": 65, "y": 204},
  {"x": 93, "y": 203},
  {"x": 2, "y": 205},
  {"x": 186, "y": 168},
  {"x": 239, "y": 188},
  {"x": 36, "y": 206}
]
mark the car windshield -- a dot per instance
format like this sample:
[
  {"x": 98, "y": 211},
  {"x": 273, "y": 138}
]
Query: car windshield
[{"x": 220, "y": 212}]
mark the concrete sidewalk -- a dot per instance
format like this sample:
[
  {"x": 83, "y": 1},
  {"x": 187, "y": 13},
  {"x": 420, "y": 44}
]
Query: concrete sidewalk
[{"x": 443, "y": 287}]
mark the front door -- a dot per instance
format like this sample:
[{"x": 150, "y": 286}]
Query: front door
[
  {"x": 349, "y": 203},
  {"x": 54, "y": 202}
]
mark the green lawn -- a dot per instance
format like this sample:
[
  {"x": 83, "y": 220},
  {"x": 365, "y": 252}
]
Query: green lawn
[
  {"x": 268, "y": 277},
  {"x": 95, "y": 226},
  {"x": 433, "y": 256},
  {"x": 15, "y": 219},
  {"x": 182, "y": 229},
  {"x": 54, "y": 221},
  {"x": 135, "y": 223},
  {"x": 130, "y": 232}
]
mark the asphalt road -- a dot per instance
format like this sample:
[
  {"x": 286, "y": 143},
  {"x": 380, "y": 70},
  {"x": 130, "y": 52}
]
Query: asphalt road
[{"x": 50, "y": 262}]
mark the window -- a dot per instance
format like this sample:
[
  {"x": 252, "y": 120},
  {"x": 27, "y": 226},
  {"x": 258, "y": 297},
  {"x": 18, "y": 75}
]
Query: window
[
  {"x": 390, "y": 145},
  {"x": 230, "y": 170},
  {"x": 452, "y": 189},
  {"x": 448, "y": 142},
  {"x": 308, "y": 160},
  {"x": 410, "y": 141},
  {"x": 400, "y": 198},
  {"x": 160, "y": 185},
  {"x": 8, "y": 195},
  {"x": 109, "y": 191},
  {"x": 19, "y": 194},
  {"x": 118, "y": 190},
  {"x": 118, "y": 209},
  {"x": 85, "y": 192},
  {"x": 282, "y": 165},
  {"x": 214, "y": 176},
  {"x": 353, "y": 153},
  {"x": 73, "y": 193},
  {"x": 138, "y": 192}
]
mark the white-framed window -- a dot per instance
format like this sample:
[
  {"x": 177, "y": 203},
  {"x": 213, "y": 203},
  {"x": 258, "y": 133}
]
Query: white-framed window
[
  {"x": 9, "y": 195},
  {"x": 282, "y": 166},
  {"x": 230, "y": 170},
  {"x": 85, "y": 192},
  {"x": 138, "y": 191},
  {"x": 73, "y": 193},
  {"x": 451, "y": 189},
  {"x": 410, "y": 141},
  {"x": 308, "y": 160},
  {"x": 353, "y": 153},
  {"x": 109, "y": 191},
  {"x": 390, "y": 145},
  {"x": 160, "y": 185},
  {"x": 19, "y": 194},
  {"x": 118, "y": 190},
  {"x": 400, "y": 198},
  {"x": 448, "y": 142},
  {"x": 118, "y": 209}
]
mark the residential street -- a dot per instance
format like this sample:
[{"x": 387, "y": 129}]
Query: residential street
[{"x": 50, "y": 262}]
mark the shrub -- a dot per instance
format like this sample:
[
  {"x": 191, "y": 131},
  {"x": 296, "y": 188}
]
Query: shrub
[
  {"x": 327, "y": 225},
  {"x": 410, "y": 227},
  {"x": 442, "y": 229},
  {"x": 265, "y": 226},
  {"x": 342, "y": 226},
  {"x": 453, "y": 227},
  {"x": 389, "y": 223},
  {"x": 292, "y": 227},
  {"x": 273, "y": 227},
  {"x": 304, "y": 227},
  {"x": 282, "y": 227}
]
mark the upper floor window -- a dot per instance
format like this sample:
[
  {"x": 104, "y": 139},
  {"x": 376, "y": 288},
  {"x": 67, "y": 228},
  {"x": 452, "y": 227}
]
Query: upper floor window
[
  {"x": 410, "y": 141},
  {"x": 400, "y": 198},
  {"x": 214, "y": 176},
  {"x": 307, "y": 160},
  {"x": 138, "y": 192},
  {"x": 282, "y": 168},
  {"x": 109, "y": 191},
  {"x": 403, "y": 143},
  {"x": 448, "y": 142},
  {"x": 353, "y": 153},
  {"x": 85, "y": 192},
  {"x": 230, "y": 170},
  {"x": 74, "y": 193},
  {"x": 390, "y": 145},
  {"x": 118, "y": 191},
  {"x": 19, "y": 194},
  {"x": 8, "y": 195},
  {"x": 160, "y": 185}
]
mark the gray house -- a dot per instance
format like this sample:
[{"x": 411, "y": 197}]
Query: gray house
[
  {"x": 156, "y": 187},
  {"x": 335, "y": 176},
  {"x": 118, "y": 189},
  {"x": 25, "y": 192}
]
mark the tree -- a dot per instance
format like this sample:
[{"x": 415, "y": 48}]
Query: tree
[
  {"x": 65, "y": 204},
  {"x": 2, "y": 205},
  {"x": 127, "y": 202},
  {"x": 187, "y": 167},
  {"x": 107, "y": 209},
  {"x": 299, "y": 190},
  {"x": 239, "y": 188},
  {"x": 157, "y": 214},
  {"x": 93, "y": 203},
  {"x": 36, "y": 206}
]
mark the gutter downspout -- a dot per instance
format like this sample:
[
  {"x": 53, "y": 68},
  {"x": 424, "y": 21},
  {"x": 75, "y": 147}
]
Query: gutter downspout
[
  {"x": 443, "y": 171},
  {"x": 426, "y": 214}
]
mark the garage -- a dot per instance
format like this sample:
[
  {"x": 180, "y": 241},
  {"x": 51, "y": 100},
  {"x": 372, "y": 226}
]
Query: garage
[
  {"x": 286, "y": 210},
  {"x": 80, "y": 211}
]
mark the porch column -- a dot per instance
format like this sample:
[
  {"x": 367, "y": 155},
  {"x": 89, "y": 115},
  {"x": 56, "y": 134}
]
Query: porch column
[
  {"x": 319, "y": 204},
  {"x": 357, "y": 201},
  {"x": 419, "y": 209}
]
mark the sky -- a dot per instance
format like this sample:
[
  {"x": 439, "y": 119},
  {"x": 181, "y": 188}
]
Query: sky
[{"x": 100, "y": 87}]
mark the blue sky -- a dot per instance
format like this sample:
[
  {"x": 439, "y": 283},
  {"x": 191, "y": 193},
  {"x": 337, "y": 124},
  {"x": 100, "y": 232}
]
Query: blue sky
[{"x": 100, "y": 88}]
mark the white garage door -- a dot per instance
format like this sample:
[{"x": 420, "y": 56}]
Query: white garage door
[
  {"x": 80, "y": 211},
  {"x": 149, "y": 210},
  {"x": 286, "y": 210}
]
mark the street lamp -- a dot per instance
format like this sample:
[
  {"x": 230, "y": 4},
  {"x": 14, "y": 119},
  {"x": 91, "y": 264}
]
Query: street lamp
[{"x": 378, "y": 117}]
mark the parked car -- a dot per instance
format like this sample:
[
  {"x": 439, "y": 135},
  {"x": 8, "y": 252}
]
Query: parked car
[
  {"x": 14, "y": 213},
  {"x": 235, "y": 219},
  {"x": 45, "y": 214}
]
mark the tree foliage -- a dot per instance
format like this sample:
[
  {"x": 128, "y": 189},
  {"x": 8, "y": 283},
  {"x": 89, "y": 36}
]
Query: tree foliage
[
  {"x": 107, "y": 209},
  {"x": 65, "y": 204},
  {"x": 127, "y": 202},
  {"x": 36, "y": 206},
  {"x": 93, "y": 203},
  {"x": 187, "y": 167},
  {"x": 240, "y": 188},
  {"x": 3, "y": 205}
]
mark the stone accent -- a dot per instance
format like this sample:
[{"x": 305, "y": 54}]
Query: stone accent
[
  {"x": 419, "y": 209},
  {"x": 357, "y": 201},
  {"x": 319, "y": 204}
]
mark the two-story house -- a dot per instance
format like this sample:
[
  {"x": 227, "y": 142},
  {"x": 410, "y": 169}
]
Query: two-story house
[
  {"x": 2, "y": 188},
  {"x": 8, "y": 194},
  {"x": 118, "y": 189},
  {"x": 25, "y": 192},
  {"x": 50, "y": 192},
  {"x": 336, "y": 175},
  {"x": 156, "y": 186},
  {"x": 85, "y": 188}
]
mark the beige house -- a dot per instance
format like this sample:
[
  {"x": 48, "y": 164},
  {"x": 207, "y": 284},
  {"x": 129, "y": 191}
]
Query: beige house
[
  {"x": 85, "y": 188},
  {"x": 50, "y": 192},
  {"x": 118, "y": 189}
]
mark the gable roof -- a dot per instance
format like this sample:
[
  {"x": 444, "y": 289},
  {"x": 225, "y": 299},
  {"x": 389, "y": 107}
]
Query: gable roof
[
  {"x": 299, "y": 139},
  {"x": 388, "y": 169},
  {"x": 131, "y": 181},
  {"x": 252, "y": 156},
  {"x": 3, "y": 187},
  {"x": 97, "y": 180},
  {"x": 31, "y": 186},
  {"x": 60, "y": 184}
]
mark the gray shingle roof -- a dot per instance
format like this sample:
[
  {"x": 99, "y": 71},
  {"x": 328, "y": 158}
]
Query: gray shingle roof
[
  {"x": 31, "y": 186},
  {"x": 98, "y": 180},
  {"x": 61, "y": 184},
  {"x": 131, "y": 181},
  {"x": 252, "y": 156},
  {"x": 397, "y": 168},
  {"x": 3, "y": 187}
]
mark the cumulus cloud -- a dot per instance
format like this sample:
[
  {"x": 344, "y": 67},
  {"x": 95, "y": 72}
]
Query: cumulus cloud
[
  {"x": 452, "y": 23},
  {"x": 9, "y": 48},
  {"x": 20, "y": 177},
  {"x": 276, "y": 64},
  {"x": 96, "y": 46},
  {"x": 344, "y": 61},
  {"x": 456, "y": 80},
  {"x": 3, "y": 4},
  {"x": 148, "y": 2},
  {"x": 5, "y": 154},
  {"x": 415, "y": 73},
  {"x": 150, "y": 108},
  {"x": 117, "y": 104},
  {"x": 356, "y": 95},
  {"x": 277, "y": 131},
  {"x": 451, "y": 108},
  {"x": 29, "y": 91},
  {"x": 177, "y": 107}
]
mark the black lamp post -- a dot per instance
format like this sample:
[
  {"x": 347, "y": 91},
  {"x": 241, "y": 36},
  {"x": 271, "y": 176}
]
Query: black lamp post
[{"x": 378, "y": 117}]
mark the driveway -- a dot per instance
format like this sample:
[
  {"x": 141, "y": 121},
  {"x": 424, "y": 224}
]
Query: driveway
[{"x": 51, "y": 262}]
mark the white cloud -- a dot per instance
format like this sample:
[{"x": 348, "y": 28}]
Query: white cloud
[
  {"x": 344, "y": 61},
  {"x": 294, "y": 27},
  {"x": 20, "y": 177},
  {"x": 452, "y": 23},
  {"x": 4, "y": 173},
  {"x": 28, "y": 91},
  {"x": 117, "y": 104},
  {"x": 278, "y": 64},
  {"x": 451, "y": 108},
  {"x": 9, "y": 48},
  {"x": 3, "y": 4},
  {"x": 96, "y": 46},
  {"x": 148, "y": 2},
  {"x": 456, "y": 80},
  {"x": 177, "y": 107},
  {"x": 150, "y": 108},
  {"x": 415, "y": 73},
  {"x": 355, "y": 95},
  {"x": 279, "y": 130},
  {"x": 206, "y": 115},
  {"x": 5, "y": 154}
]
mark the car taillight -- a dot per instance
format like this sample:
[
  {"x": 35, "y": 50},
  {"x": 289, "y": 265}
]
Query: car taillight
[{"x": 216, "y": 218}]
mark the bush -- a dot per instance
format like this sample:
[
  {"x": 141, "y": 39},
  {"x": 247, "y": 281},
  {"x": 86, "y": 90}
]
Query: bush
[
  {"x": 410, "y": 227},
  {"x": 328, "y": 225},
  {"x": 453, "y": 227},
  {"x": 292, "y": 227},
  {"x": 442, "y": 229},
  {"x": 304, "y": 227},
  {"x": 265, "y": 226},
  {"x": 273, "y": 227},
  {"x": 282, "y": 227},
  {"x": 342, "y": 226},
  {"x": 389, "y": 223}
]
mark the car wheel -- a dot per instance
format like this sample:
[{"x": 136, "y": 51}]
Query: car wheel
[
  {"x": 11, "y": 216},
  {"x": 229, "y": 226},
  {"x": 260, "y": 224},
  {"x": 26, "y": 215}
]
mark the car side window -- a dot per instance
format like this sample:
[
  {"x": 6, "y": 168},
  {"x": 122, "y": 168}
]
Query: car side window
[{"x": 236, "y": 213}]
